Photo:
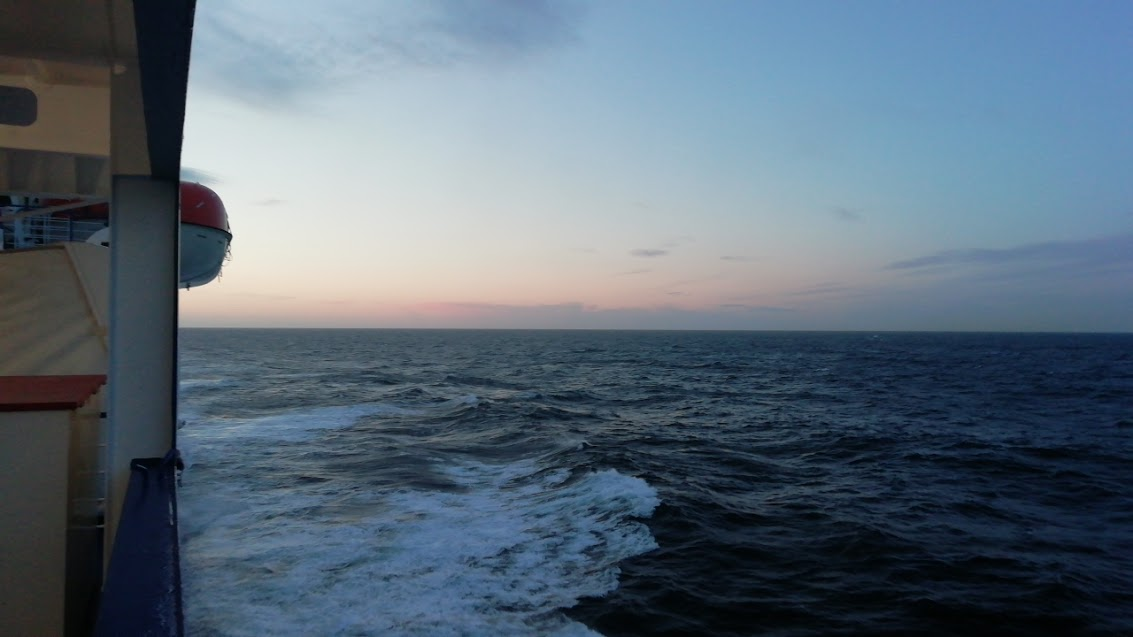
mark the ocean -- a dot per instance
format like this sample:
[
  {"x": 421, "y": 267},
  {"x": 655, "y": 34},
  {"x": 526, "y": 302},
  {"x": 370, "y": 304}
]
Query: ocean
[{"x": 449, "y": 482}]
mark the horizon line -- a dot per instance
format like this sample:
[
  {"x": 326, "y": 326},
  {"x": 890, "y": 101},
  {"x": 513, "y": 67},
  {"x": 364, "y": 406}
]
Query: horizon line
[{"x": 654, "y": 329}]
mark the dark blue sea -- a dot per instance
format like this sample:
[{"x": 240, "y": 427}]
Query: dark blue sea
[{"x": 434, "y": 482}]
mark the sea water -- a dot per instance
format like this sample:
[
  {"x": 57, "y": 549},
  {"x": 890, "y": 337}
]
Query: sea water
[{"x": 435, "y": 482}]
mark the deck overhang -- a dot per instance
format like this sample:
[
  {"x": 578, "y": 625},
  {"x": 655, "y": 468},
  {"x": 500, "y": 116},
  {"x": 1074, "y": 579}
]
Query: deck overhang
[{"x": 108, "y": 79}]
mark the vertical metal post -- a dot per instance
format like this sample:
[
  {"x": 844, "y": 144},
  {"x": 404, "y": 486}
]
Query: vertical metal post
[{"x": 144, "y": 262}]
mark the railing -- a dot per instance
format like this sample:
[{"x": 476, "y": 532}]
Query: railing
[{"x": 31, "y": 231}]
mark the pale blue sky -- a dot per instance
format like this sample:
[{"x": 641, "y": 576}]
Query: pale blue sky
[{"x": 742, "y": 165}]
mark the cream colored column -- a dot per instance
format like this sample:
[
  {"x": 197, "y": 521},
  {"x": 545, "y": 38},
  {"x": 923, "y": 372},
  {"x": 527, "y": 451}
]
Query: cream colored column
[{"x": 142, "y": 405}]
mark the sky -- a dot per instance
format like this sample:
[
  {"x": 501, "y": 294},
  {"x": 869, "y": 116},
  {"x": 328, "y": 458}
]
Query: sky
[{"x": 806, "y": 165}]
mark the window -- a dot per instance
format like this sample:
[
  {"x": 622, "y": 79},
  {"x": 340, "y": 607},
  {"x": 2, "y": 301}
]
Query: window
[{"x": 18, "y": 106}]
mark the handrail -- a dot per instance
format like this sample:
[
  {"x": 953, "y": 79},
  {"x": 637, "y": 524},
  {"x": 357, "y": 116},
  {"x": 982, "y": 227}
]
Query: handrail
[{"x": 142, "y": 594}]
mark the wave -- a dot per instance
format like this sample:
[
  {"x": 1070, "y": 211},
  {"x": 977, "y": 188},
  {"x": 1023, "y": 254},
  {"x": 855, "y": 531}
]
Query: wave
[
  {"x": 203, "y": 385},
  {"x": 503, "y": 554}
]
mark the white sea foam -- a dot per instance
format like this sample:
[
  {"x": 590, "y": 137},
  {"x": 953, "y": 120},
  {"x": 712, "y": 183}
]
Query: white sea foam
[
  {"x": 298, "y": 425},
  {"x": 500, "y": 554},
  {"x": 209, "y": 436},
  {"x": 196, "y": 383}
]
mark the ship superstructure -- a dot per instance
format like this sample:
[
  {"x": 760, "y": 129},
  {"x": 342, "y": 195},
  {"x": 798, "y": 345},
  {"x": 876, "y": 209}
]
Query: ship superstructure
[{"x": 92, "y": 107}]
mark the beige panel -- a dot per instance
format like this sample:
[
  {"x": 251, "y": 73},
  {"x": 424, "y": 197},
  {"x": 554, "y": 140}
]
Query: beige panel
[
  {"x": 91, "y": 265},
  {"x": 50, "y": 324},
  {"x": 73, "y": 107},
  {"x": 33, "y": 528},
  {"x": 44, "y": 71}
]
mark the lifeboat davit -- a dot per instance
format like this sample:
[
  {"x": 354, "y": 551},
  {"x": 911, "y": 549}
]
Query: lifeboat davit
[{"x": 205, "y": 235}]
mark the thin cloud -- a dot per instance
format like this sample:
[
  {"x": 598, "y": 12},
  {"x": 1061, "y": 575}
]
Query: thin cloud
[
  {"x": 580, "y": 315},
  {"x": 700, "y": 279},
  {"x": 536, "y": 313},
  {"x": 846, "y": 214},
  {"x": 271, "y": 201},
  {"x": 1104, "y": 251},
  {"x": 664, "y": 249},
  {"x": 633, "y": 272},
  {"x": 499, "y": 28},
  {"x": 198, "y": 176},
  {"x": 1048, "y": 286},
  {"x": 263, "y": 297},
  {"x": 755, "y": 308},
  {"x": 820, "y": 289},
  {"x": 573, "y": 306},
  {"x": 274, "y": 58},
  {"x": 736, "y": 257}
]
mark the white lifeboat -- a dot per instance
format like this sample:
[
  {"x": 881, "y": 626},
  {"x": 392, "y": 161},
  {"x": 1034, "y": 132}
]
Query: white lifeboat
[{"x": 205, "y": 235}]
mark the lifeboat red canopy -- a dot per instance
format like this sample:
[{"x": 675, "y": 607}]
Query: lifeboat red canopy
[{"x": 203, "y": 207}]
